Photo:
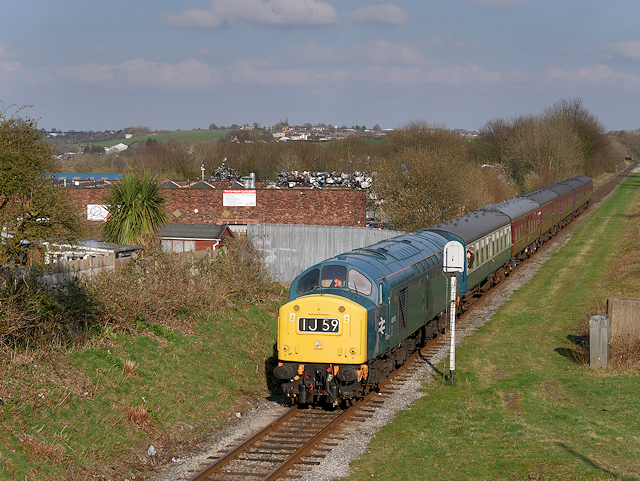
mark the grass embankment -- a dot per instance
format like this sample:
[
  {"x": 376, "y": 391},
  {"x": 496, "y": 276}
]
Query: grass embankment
[
  {"x": 524, "y": 405},
  {"x": 170, "y": 359}
]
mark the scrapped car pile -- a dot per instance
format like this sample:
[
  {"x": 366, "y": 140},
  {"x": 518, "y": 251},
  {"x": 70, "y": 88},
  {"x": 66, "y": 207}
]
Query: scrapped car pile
[
  {"x": 315, "y": 180},
  {"x": 224, "y": 174},
  {"x": 318, "y": 180}
]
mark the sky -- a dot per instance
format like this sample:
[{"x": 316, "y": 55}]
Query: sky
[{"x": 185, "y": 64}]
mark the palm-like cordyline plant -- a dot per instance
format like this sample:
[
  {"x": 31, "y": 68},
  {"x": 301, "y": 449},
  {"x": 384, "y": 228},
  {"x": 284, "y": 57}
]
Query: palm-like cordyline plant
[{"x": 136, "y": 210}]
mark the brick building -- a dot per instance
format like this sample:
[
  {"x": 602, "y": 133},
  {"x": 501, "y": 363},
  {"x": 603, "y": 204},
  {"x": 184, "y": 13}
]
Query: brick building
[{"x": 206, "y": 203}]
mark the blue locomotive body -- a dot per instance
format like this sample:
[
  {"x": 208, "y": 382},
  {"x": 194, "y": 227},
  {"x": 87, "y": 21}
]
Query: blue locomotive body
[{"x": 352, "y": 319}]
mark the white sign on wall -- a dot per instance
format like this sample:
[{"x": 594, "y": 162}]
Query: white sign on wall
[
  {"x": 97, "y": 212},
  {"x": 239, "y": 198}
]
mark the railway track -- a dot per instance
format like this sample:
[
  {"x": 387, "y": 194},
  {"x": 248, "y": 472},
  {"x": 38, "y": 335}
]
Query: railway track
[
  {"x": 611, "y": 183},
  {"x": 300, "y": 438}
]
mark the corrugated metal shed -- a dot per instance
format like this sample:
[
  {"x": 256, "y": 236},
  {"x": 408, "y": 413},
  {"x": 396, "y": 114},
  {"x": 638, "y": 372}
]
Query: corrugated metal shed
[
  {"x": 288, "y": 249},
  {"x": 196, "y": 237}
]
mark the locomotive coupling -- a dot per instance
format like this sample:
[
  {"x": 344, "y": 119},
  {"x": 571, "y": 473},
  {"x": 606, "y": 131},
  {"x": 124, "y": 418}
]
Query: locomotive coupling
[{"x": 310, "y": 383}]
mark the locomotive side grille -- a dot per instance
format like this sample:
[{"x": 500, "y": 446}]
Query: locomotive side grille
[{"x": 402, "y": 309}]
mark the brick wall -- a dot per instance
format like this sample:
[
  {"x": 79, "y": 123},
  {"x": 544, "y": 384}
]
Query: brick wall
[{"x": 331, "y": 207}]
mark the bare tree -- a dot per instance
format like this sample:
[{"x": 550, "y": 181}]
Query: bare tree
[
  {"x": 540, "y": 151},
  {"x": 427, "y": 177}
]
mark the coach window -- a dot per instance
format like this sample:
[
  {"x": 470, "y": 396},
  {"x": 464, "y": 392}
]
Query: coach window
[
  {"x": 334, "y": 276},
  {"x": 359, "y": 283},
  {"x": 308, "y": 282}
]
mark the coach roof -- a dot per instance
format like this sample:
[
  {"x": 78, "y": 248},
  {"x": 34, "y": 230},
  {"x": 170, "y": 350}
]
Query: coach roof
[
  {"x": 473, "y": 225},
  {"x": 516, "y": 207}
]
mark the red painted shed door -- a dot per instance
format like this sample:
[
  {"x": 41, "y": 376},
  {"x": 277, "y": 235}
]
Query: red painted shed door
[{"x": 202, "y": 245}]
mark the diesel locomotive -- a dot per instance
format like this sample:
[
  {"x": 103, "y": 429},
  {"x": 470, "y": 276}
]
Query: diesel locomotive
[{"x": 353, "y": 319}]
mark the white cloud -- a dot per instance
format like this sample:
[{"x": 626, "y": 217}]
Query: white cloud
[
  {"x": 594, "y": 74},
  {"x": 189, "y": 74},
  {"x": 139, "y": 72},
  {"x": 8, "y": 67},
  {"x": 195, "y": 75},
  {"x": 259, "y": 72},
  {"x": 385, "y": 14},
  {"x": 497, "y": 4},
  {"x": 280, "y": 13},
  {"x": 197, "y": 18},
  {"x": 378, "y": 51},
  {"x": 446, "y": 40},
  {"x": 445, "y": 74},
  {"x": 630, "y": 50}
]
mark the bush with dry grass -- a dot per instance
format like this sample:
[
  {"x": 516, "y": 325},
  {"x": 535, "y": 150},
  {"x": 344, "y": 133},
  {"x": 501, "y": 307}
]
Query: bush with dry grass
[
  {"x": 158, "y": 288},
  {"x": 163, "y": 288},
  {"x": 32, "y": 316},
  {"x": 624, "y": 354}
]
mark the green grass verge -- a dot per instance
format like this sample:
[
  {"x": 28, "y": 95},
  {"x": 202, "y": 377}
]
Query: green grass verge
[
  {"x": 92, "y": 412},
  {"x": 567, "y": 421}
]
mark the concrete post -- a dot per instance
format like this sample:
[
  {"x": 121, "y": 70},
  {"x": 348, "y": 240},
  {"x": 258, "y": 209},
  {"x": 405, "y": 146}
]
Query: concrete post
[{"x": 599, "y": 340}]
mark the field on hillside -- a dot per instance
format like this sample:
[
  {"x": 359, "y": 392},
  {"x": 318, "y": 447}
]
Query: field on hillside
[
  {"x": 524, "y": 404},
  {"x": 186, "y": 135}
]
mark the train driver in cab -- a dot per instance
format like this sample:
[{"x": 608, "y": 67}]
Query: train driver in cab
[{"x": 334, "y": 276}]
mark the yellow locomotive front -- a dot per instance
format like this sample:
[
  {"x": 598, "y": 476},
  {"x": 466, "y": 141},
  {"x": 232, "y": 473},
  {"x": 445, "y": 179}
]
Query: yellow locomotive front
[{"x": 322, "y": 348}]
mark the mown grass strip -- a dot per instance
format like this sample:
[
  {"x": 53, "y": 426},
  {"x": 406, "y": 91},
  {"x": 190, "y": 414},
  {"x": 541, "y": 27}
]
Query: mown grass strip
[{"x": 522, "y": 407}]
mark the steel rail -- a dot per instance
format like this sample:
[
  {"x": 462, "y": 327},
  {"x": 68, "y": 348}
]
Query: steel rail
[
  {"x": 344, "y": 417},
  {"x": 244, "y": 445}
]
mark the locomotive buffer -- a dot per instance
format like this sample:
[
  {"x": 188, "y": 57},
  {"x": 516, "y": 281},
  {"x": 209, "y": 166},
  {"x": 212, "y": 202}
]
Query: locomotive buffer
[{"x": 453, "y": 264}]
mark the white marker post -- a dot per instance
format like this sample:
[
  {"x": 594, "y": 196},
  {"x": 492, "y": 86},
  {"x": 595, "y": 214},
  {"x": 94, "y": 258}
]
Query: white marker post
[{"x": 453, "y": 264}]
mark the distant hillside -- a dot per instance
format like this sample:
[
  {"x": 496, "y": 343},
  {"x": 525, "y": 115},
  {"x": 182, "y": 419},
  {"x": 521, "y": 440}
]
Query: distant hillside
[{"x": 188, "y": 135}]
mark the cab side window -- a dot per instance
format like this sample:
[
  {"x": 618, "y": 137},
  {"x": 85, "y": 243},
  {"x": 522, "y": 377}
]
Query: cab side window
[{"x": 359, "y": 283}]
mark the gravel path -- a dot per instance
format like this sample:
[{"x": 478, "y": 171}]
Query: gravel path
[{"x": 336, "y": 464}]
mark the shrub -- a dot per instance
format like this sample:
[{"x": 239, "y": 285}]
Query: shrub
[
  {"x": 162, "y": 288},
  {"x": 29, "y": 315}
]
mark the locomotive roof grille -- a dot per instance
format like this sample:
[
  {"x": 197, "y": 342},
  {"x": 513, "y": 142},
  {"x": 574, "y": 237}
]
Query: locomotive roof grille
[{"x": 369, "y": 252}]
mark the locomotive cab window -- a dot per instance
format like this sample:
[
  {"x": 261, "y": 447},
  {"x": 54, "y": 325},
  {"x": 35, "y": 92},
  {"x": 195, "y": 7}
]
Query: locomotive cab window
[
  {"x": 334, "y": 276},
  {"x": 308, "y": 282},
  {"x": 359, "y": 283}
]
